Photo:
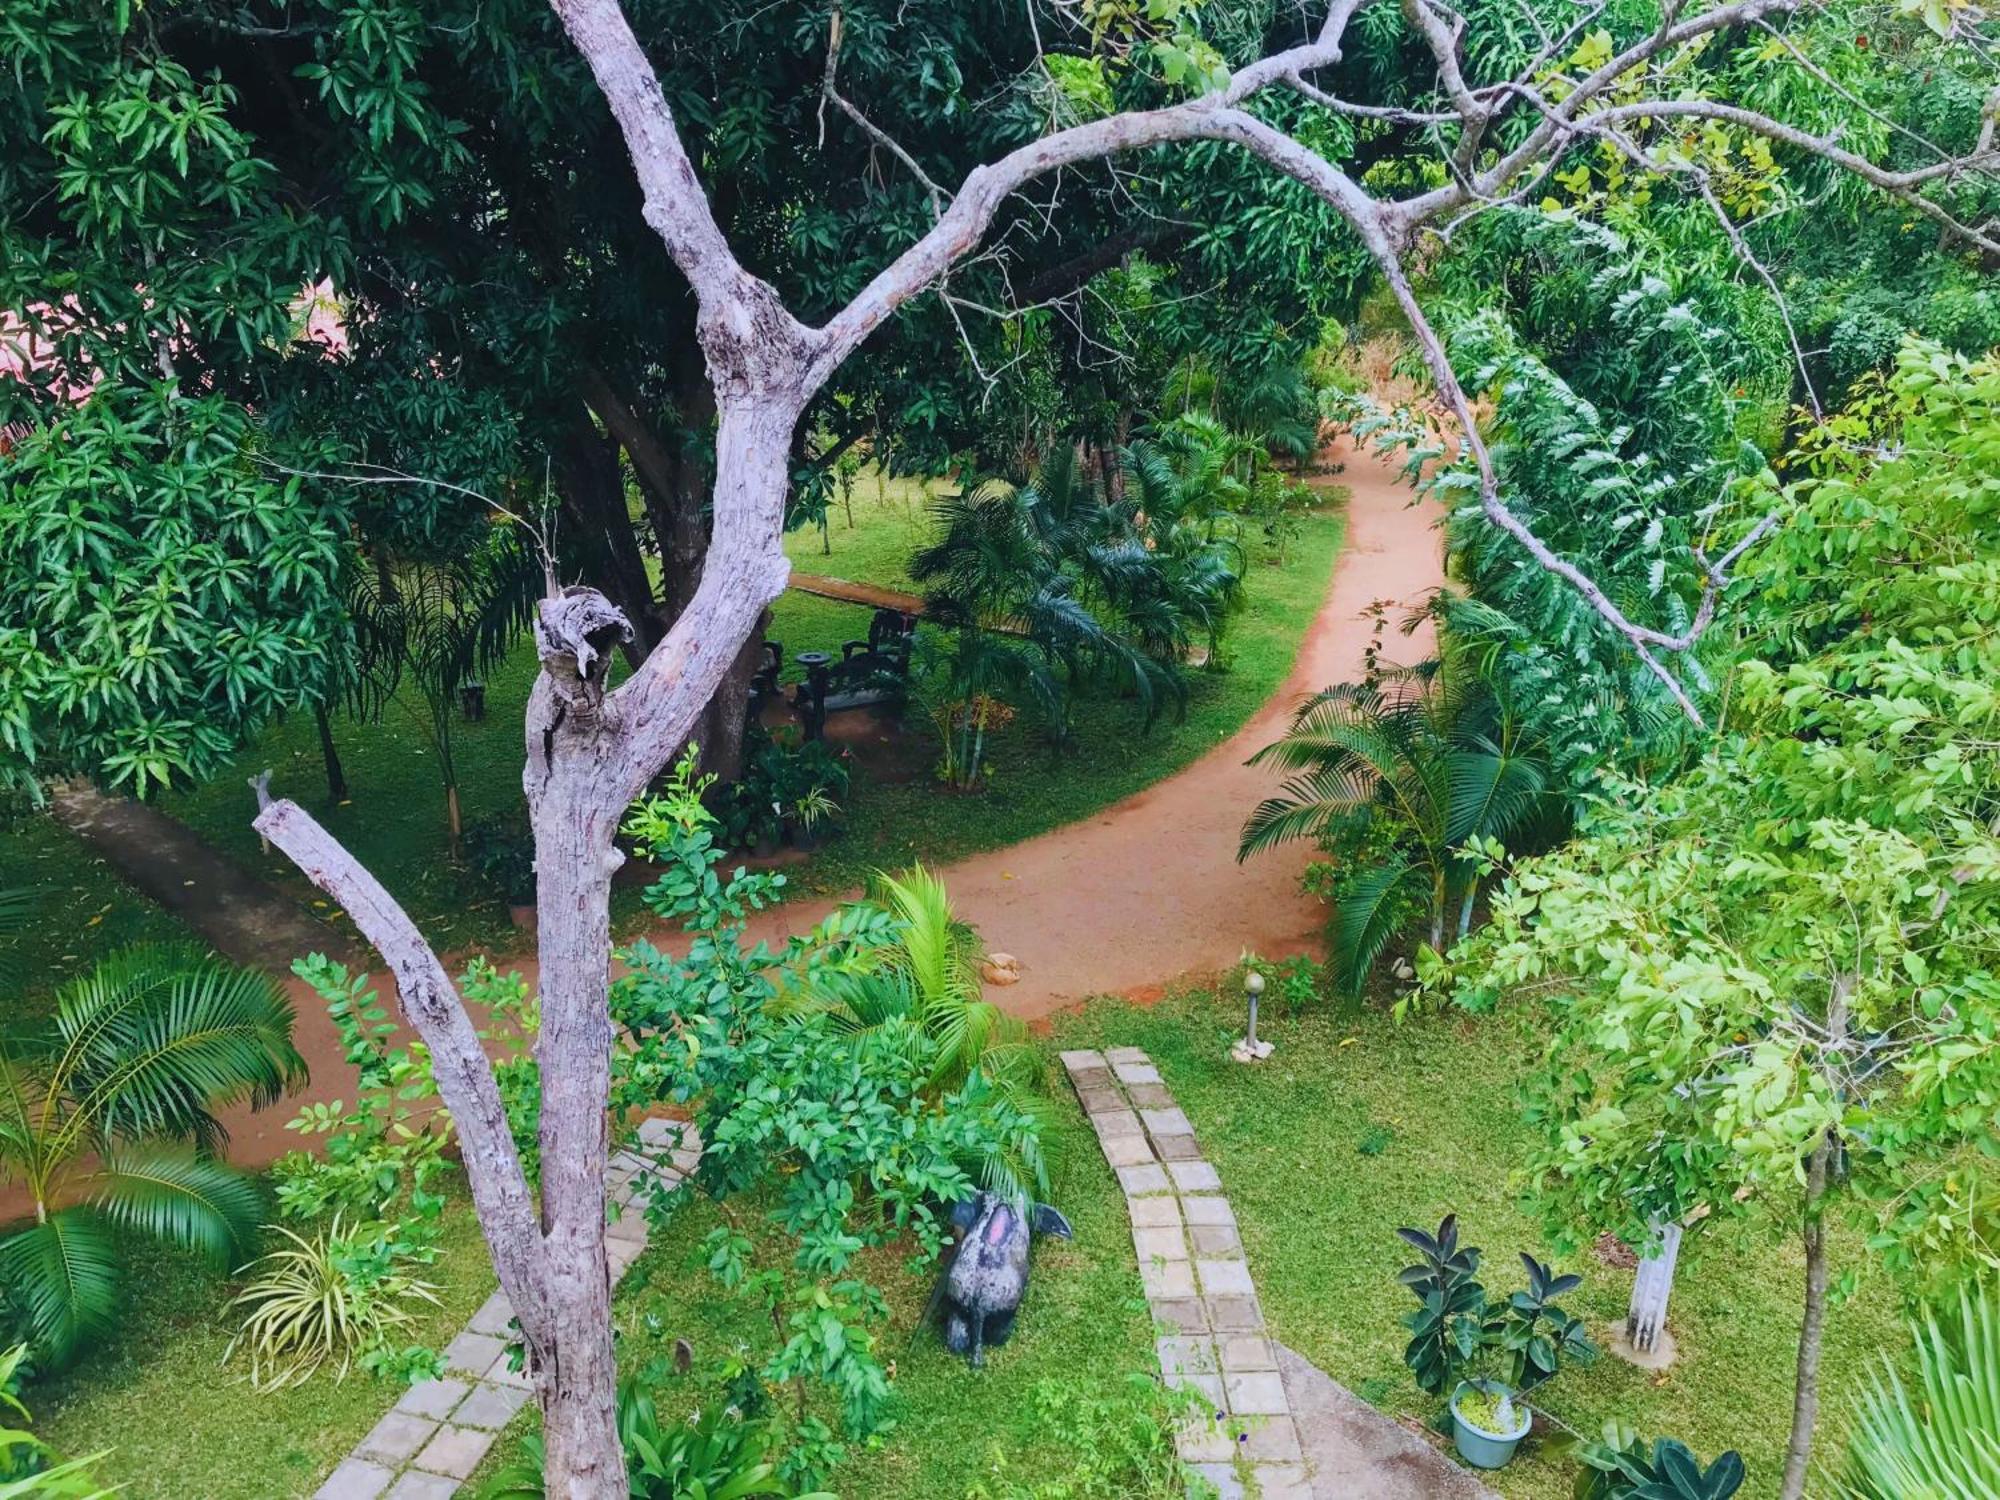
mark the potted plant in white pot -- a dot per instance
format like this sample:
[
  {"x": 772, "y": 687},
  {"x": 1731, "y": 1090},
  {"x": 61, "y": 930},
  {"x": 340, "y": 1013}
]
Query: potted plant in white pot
[{"x": 1484, "y": 1355}]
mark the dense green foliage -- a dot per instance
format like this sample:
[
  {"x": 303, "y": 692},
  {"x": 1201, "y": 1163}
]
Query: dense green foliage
[
  {"x": 164, "y": 593},
  {"x": 1777, "y": 972},
  {"x": 1619, "y": 1465},
  {"x": 711, "y": 1455},
  {"x": 851, "y": 1134},
  {"x": 1425, "y": 770},
  {"x": 1064, "y": 578},
  {"x": 29, "y": 1470},
  {"x": 408, "y": 238}
]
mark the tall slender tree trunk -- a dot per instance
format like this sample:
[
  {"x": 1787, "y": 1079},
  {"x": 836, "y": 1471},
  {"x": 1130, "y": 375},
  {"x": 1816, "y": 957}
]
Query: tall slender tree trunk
[
  {"x": 1812, "y": 1330},
  {"x": 1805, "y": 1394},
  {"x": 1652, "y": 1284},
  {"x": 594, "y": 503},
  {"x": 329, "y": 755}
]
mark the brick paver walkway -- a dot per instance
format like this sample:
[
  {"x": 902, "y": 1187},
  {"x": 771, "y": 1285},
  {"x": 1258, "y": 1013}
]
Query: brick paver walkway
[
  {"x": 438, "y": 1432},
  {"x": 1276, "y": 1421},
  {"x": 1196, "y": 1278}
]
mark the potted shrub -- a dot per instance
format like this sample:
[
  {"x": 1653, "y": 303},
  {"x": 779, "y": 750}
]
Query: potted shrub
[
  {"x": 501, "y": 850},
  {"x": 1486, "y": 1353},
  {"x": 1487, "y": 1423}
]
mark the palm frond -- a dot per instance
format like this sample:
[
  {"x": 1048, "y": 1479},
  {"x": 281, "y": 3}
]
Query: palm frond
[
  {"x": 1368, "y": 917},
  {"x": 184, "y": 1200},
  {"x": 156, "y": 1038},
  {"x": 1942, "y": 1440},
  {"x": 63, "y": 1275}
]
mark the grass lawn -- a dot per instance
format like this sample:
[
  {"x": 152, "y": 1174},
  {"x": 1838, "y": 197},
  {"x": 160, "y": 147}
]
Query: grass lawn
[
  {"x": 890, "y": 521},
  {"x": 81, "y": 912},
  {"x": 395, "y": 820},
  {"x": 1433, "y": 1101},
  {"x": 181, "y": 1424},
  {"x": 1084, "y": 1325}
]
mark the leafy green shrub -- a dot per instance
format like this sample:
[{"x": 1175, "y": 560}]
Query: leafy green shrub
[
  {"x": 1457, "y": 1331},
  {"x": 334, "y": 1297},
  {"x": 1620, "y": 1466},
  {"x": 109, "y": 1122},
  {"x": 924, "y": 985},
  {"x": 28, "y": 1470},
  {"x": 845, "y": 1132},
  {"x": 712, "y": 1455},
  {"x": 785, "y": 780}
]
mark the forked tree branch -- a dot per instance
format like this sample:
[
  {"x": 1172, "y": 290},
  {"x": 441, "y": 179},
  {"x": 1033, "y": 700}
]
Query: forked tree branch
[{"x": 435, "y": 1011}]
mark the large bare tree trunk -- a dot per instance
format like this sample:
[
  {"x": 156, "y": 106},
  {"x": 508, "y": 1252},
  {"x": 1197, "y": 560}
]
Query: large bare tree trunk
[
  {"x": 589, "y": 754},
  {"x": 573, "y": 802}
]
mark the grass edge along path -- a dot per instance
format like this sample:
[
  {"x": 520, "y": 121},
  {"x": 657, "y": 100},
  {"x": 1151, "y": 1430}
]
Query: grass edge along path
[{"x": 393, "y": 821}]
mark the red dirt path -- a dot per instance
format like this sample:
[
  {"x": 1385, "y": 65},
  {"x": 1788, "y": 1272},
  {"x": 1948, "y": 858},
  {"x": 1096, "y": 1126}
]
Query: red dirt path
[{"x": 1149, "y": 889}]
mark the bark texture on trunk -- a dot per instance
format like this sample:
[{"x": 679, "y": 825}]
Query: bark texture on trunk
[
  {"x": 594, "y": 505},
  {"x": 589, "y": 754},
  {"x": 329, "y": 755}
]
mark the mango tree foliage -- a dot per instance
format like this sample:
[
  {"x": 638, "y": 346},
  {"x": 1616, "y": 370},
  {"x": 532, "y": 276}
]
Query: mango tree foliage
[
  {"x": 162, "y": 594},
  {"x": 1775, "y": 981}
]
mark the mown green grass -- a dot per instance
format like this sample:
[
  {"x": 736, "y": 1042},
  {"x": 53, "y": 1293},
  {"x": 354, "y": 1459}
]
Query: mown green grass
[
  {"x": 871, "y": 537},
  {"x": 1084, "y": 1324},
  {"x": 394, "y": 821},
  {"x": 1318, "y": 1215},
  {"x": 81, "y": 912},
  {"x": 180, "y": 1424}
]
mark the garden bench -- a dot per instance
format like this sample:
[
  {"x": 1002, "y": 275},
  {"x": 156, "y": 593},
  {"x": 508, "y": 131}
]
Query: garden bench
[{"x": 868, "y": 674}]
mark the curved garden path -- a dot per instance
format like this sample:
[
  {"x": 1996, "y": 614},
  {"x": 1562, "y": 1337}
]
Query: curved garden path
[
  {"x": 1149, "y": 888},
  {"x": 1119, "y": 903}
]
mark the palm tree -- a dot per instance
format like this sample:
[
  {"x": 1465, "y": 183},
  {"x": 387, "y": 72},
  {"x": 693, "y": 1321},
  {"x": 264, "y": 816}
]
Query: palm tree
[
  {"x": 924, "y": 991},
  {"x": 1433, "y": 751},
  {"x": 107, "y": 1122},
  {"x": 1036, "y": 579},
  {"x": 1941, "y": 1442}
]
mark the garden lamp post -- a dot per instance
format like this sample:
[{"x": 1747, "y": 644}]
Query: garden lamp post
[{"x": 1249, "y": 1049}]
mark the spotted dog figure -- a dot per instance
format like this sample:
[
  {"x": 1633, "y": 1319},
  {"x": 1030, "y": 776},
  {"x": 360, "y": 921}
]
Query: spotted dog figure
[{"x": 988, "y": 1275}]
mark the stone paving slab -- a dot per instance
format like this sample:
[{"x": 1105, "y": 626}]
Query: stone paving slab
[
  {"x": 438, "y": 1432},
  {"x": 1291, "y": 1430}
]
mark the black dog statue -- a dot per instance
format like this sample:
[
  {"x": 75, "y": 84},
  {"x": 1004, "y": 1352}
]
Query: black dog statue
[{"x": 982, "y": 1287}]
